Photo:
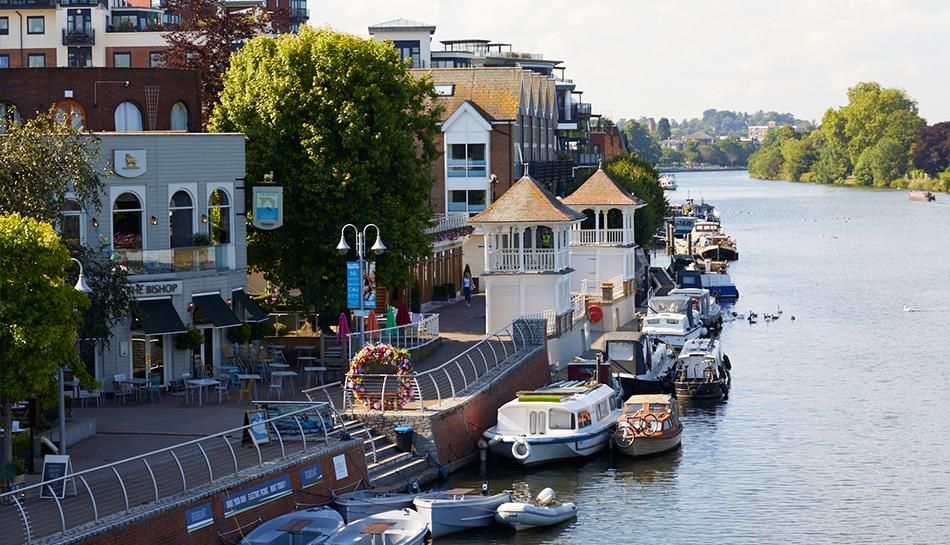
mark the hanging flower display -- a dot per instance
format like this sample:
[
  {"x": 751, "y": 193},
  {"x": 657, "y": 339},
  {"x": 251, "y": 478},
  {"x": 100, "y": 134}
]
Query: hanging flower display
[{"x": 381, "y": 359}]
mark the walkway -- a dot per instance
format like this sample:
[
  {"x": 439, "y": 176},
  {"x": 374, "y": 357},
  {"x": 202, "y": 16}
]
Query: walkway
[{"x": 460, "y": 326}]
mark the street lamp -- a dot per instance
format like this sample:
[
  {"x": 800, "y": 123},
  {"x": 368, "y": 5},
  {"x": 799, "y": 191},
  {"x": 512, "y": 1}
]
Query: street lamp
[
  {"x": 378, "y": 248},
  {"x": 82, "y": 286}
]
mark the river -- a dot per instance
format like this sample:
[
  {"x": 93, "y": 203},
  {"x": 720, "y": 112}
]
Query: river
[{"x": 837, "y": 429}]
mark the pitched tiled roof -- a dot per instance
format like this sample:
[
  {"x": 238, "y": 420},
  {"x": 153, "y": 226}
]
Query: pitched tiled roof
[
  {"x": 601, "y": 189},
  {"x": 402, "y": 24},
  {"x": 527, "y": 202},
  {"x": 495, "y": 91}
]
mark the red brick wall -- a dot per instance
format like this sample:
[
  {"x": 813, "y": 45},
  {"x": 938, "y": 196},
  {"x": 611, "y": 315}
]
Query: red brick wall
[
  {"x": 168, "y": 528},
  {"x": 502, "y": 157},
  {"x": 18, "y": 60},
  {"x": 437, "y": 194},
  {"x": 140, "y": 55},
  {"x": 457, "y": 431}
]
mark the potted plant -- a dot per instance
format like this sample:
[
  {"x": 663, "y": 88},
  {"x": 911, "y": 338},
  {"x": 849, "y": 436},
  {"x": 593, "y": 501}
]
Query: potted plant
[
  {"x": 190, "y": 340},
  {"x": 201, "y": 239}
]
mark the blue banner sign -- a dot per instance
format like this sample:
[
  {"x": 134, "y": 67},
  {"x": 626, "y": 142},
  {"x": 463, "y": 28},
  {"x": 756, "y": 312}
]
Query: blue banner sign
[
  {"x": 311, "y": 475},
  {"x": 199, "y": 517},
  {"x": 353, "y": 283},
  {"x": 257, "y": 495}
]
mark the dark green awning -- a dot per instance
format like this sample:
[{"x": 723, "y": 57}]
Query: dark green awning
[
  {"x": 159, "y": 317},
  {"x": 254, "y": 311},
  {"x": 216, "y": 310}
]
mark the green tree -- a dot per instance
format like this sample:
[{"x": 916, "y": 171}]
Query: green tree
[
  {"x": 643, "y": 180},
  {"x": 349, "y": 133},
  {"x": 38, "y": 316},
  {"x": 767, "y": 162},
  {"x": 111, "y": 295},
  {"x": 663, "y": 129},
  {"x": 640, "y": 142},
  {"x": 881, "y": 163},
  {"x": 874, "y": 113},
  {"x": 671, "y": 155},
  {"x": 691, "y": 153},
  {"x": 711, "y": 155}
]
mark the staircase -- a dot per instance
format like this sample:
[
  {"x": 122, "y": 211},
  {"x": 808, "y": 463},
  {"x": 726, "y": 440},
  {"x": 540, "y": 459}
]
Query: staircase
[{"x": 388, "y": 467}]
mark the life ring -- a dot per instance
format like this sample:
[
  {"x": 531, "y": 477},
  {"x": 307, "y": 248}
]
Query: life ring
[
  {"x": 595, "y": 314},
  {"x": 516, "y": 452}
]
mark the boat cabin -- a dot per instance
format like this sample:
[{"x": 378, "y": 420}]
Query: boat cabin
[
  {"x": 702, "y": 301},
  {"x": 627, "y": 351},
  {"x": 706, "y": 228},
  {"x": 664, "y": 310},
  {"x": 560, "y": 407},
  {"x": 699, "y": 359},
  {"x": 683, "y": 225},
  {"x": 651, "y": 414}
]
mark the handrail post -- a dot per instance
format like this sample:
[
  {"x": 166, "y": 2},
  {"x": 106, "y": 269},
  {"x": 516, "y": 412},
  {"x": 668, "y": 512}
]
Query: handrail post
[
  {"x": 422, "y": 403},
  {"x": 283, "y": 453},
  {"x": 26, "y": 520},
  {"x": 95, "y": 509},
  {"x": 208, "y": 462},
  {"x": 382, "y": 401},
  {"x": 181, "y": 470},
  {"x": 62, "y": 517},
  {"x": 125, "y": 494},
  {"x": 451, "y": 384},
  {"x": 233, "y": 455},
  {"x": 152, "y": 475},
  {"x": 459, "y": 367},
  {"x": 436, "y": 385},
  {"x": 303, "y": 437}
]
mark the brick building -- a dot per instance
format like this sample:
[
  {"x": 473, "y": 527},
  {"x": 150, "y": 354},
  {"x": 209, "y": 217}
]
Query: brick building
[{"x": 106, "y": 99}]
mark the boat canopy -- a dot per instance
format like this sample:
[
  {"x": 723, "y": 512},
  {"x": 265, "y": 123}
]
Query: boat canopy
[{"x": 670, "y": 304}]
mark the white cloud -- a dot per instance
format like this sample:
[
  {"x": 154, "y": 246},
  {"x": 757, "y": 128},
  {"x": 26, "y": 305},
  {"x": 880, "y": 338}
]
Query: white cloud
[{"x": 677, "y": 58}]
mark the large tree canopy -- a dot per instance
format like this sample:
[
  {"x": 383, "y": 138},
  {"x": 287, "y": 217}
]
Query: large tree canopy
[
  {"x": 642, "y": 179},
  {"x": 348, "y": 132},
  {"x": 641, "y": 142},
  {"x": 932, "y": 148}
]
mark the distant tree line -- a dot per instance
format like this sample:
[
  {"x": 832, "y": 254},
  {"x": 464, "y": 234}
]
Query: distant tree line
[
  {"x": 877, "y": 139},
  {"x": 726, "y": 152}
]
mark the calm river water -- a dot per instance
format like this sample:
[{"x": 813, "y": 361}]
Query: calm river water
[{"x": 837, "y": 429}]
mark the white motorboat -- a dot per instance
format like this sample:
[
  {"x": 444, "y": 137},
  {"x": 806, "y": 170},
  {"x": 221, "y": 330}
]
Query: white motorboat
[
  {"x": 568, "y": 419},
  {"x": 702, "y": 371},
  {"x": 310, "y": 527},
  {"x": 363, "y": 503},
  {"x": 400, "y": 527},
  {"x": 718, "y": 247},
  {"x": 671, "y": 319},
  {"x": 456, "y": 510},
  {"x": 668, "y": 181},
  {"x": 522, "y": 516},
  {"x": 639, "y": 364},
  {"x": 704, "y": 304}
]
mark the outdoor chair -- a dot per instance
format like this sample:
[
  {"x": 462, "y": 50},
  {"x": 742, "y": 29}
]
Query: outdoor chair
[
  {"x": 224, "y": 387},
  {"x": 119, "y": 388},
  {"x": 154, "y": 387},
  {"x": 86, "y": 394},
  {"x": 189, "y": 389},
  {"x": 177, "y": 389},
  {"x": 275, "y": 385}
]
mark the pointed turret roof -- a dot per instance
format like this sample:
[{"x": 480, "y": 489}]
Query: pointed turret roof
[
  {"x": 527, "y": 202},
  {"x": 601, "y": 190}
]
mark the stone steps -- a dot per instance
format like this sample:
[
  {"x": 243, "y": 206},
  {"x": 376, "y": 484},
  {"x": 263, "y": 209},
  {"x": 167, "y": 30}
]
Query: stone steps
[{"x": 391, "y": 467}]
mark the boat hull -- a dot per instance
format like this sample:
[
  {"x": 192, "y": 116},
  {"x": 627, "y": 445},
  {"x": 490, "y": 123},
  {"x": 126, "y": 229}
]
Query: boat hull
[
  {"x": 362, "y": 504},
  {"x": 676, "y": 340},
  {"x": 543, "y": 450},
  {"x": 719, "y": 253},
  {"x": 407, "y": 527},
  {"x": 447, "y": 516},
  {"x": 650, "y": 446},
  {"x": 636, "y": 386},
  {"x": 522, "y": 516},
  {"x": 700, "y": 390}
]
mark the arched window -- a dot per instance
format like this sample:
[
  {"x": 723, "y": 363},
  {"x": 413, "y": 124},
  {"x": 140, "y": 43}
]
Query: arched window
[
  {"x": 127, "y": 222},
  {"x": 219, "y": 212},
  {"x": 181, "y": 220},
  {"x": 8, "y": 114},
  {"x": 179, "y": 117},
  {"x": 614, "y": 219},
  {"x": 72, "y": 111},
  {"x": 128, "y": 117},
  {"x": 71, "y": 230}
]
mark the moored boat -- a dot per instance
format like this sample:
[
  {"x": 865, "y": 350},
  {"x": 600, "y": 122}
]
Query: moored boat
[
  {"x": 672, "y": 320},
  {"x": 564, "y": 420},
  {"x": 363, "y": 503},
  {"x": 639, "y": 364},
  {"x": 310, "y": 526},
  {"x": 649, "y": 425},
  {"x": 704, "y": 304},
  {"x": 925, "y": 196},
  {"x": 399, "y": 527},
  {"x": 717, "y": 247},
  {"x": 521, "y": 516},
  {"x": 702, "y": 371},
  {"x": 668, "y": 181},
  {"x": 449, "y": 511}
]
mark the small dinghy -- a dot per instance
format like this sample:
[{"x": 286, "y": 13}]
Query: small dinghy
[
  {"x": 456, "y": 510},
  {"x": 308, "y": 527},
  {"x": 522, "y": 516},
  {"x": 363, "y": 503},
  {"x": 401, "y": 527}
]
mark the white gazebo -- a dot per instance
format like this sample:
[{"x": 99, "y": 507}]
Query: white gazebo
[{"x": 527, "y": 255}]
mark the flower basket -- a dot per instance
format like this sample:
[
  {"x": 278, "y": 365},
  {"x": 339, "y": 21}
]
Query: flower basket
[{"x": 381, "y": 359}]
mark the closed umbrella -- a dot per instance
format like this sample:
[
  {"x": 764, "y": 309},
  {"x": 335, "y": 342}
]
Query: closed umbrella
[
  {"x": 402, "y": 314},
  {"x": 372, "y": 324},
  {"x": 343, "y": 328}
]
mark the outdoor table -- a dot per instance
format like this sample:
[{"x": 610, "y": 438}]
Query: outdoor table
[
  {"x": 280, "y": 365},
  {"x": 305, "y": 352},
  {"x": 201, "y": 384},
  {"x": 250, "y": 378},
  {"x": 137, "y": 384},
  {"x": 290, "y": 374}
]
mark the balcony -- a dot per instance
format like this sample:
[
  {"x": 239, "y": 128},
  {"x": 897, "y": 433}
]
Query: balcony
[
  {"x": 174, "y": 260},
  {"x": 588, "y": 158},
  {"x": 82, "y": 36},
  {"x": 595, "y": 237},
  {"x": 581, "y": 109},
  {"x": 447, "y": 223},
  {"x": 527, "y": 260},
  {"x": 27, "y": 4}
]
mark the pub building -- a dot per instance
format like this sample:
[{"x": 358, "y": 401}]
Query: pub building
[{"x": 172, "y": 214}]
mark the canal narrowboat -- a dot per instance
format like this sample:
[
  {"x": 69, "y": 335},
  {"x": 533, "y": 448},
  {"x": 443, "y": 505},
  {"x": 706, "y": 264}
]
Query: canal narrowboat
[
  {"x": 702, "y": 371},
  {"x": 564, "y": 420},
  {"x": 672, "y": 320},
  {"x": 639, "y": 364},
  {"x": 925, "y": 196},
  {"x": 458, "y": 509},
  {"x": 649, "y": 425}
]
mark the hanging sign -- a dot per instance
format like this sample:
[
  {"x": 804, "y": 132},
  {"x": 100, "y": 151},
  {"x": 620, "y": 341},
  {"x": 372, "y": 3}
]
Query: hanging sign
[
  {"x": 268, "y": 207},
  {"x": 199, "y": 517},
  {"x": 357, "y": 287}
]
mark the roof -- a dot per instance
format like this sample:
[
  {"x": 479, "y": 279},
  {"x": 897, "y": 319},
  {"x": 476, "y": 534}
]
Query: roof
[
  {"x": 601, "y": 189},
  {"x": 699, "y": 135},
  {"x": 402, "y": 24},
  {"x": 650, "y": 398},
  {"x": 527, "y": 202},
  {"x": 498, "y": 91},
  {"x": 629, "y": 336}
]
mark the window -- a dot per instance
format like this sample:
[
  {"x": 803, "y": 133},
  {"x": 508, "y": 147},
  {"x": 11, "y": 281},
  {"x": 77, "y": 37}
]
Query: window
[
  {"x": 155, "y": 60},
  {"x": 409, "y": 50},
  {"x": 219, "y": 216},
  {"x": 476, "y": 201},
  {"x": 4, "y": 25},
  {"x": 181, "y": 214},
  {"x": 122, "y": 59},
  {"x": 8, "y": 114},
  {"x": 179, "y": 117},
  {"x": 127, "y": 222},
  {"x": 79, "y": 57},
  {"x": 466, "y": 161},
  {"x": 36, "y": 60},
  {"x": 128, "y": 117},
  {"x": 36, "y": 25},
  {"x": 70, "y": 110},
  {"x": 79, "y": 23},
  {"x": 445, "y": 89},
  {"x": 583, "y": 419},
  {"x": 71, "y": 231},
  {"x": 4, "y": 61},
  {"x": 559, "y": 419}
]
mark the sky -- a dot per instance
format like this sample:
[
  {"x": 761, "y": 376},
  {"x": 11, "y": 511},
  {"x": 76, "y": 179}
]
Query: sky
[{"x": 677, "y": 58}]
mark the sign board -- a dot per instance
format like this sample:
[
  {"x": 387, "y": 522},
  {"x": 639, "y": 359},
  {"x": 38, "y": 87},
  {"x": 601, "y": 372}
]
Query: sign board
[
  {"x": 357, "y": 286},
  {"x": 153, "y": 289},
  {"x": 55, "y": 467},
  {"x": 199, "y": 517},
  {"x": 129, "y": 163},
  {"x": 268, "y": 207},
  {"x": 257, "y": 429},
  {"x": 257, "y": 495},
  {"x": 311, "y": 475},
  {"x": 339, "y": 467}
]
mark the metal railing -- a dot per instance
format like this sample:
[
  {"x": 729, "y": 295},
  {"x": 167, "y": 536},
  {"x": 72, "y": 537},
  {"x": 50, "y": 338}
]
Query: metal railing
[
  {"x": 119, "y": 487},
  {"x": 578, "y": 307},
  {"x": 432, "y": 389},
  {"x": 550, "y": 320},
  {"x": 79, "y": 36},
  {"x": 446, "y": 222},
  {"x": 598, "y": 236},
  {"x": 409, "y": 336}
]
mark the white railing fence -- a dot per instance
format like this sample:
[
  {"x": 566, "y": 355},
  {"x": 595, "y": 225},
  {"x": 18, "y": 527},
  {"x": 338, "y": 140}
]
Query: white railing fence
[
  {"x": 446, "y": 222},
  {"x": 578, "y": 306},
  {"x": 597, "y": 236},
  {"x": 617, "y": 282},
  {"x": 118, "y": 487},
  {"x": 409, "y": 336}
]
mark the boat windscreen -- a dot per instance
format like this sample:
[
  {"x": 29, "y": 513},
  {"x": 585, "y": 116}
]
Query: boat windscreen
[
  {"x": 674, "y": 305},
  {"x": 620, "y": 351}
]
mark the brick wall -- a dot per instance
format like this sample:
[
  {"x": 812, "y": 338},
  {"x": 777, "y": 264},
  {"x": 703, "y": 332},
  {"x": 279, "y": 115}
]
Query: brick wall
[
  {"x": 140, "y": 55},
  {"x": 18, "y": 60},
  {"x": 168, "y": 527}
]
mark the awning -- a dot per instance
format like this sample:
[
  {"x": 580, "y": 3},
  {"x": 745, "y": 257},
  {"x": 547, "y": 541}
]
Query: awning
[
  {"x": 254, "y": 311},
  {"x": 216, "y": 310},
  {"x": 159, "y": 317}
]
